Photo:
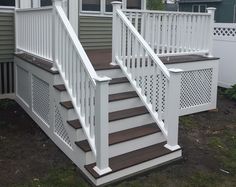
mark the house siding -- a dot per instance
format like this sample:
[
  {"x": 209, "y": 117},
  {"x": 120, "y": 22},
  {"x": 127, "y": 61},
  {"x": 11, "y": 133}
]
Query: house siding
[
  {"x": 95, "y": 32},
  {"x": 7, "y": 46},
  {"x": 7, "y": 38}
]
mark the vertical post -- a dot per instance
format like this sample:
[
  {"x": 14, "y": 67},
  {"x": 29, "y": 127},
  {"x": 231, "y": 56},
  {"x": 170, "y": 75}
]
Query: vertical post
[
  {"x": 115, "y": 27},
  {"x": 53, "y": 36},
  {"x": 101, "y": 126},
  {"x": 74, "y": 15},
  {"x": 172, "y": 109},
  {"x": 211, "y": 10}
]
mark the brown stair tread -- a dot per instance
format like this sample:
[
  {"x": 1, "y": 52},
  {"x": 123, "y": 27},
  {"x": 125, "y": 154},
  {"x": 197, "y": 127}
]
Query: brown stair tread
[
  {"x": 133, "y": 158},
  {"x": 75, "y": 124},
  {"x": 60, "y": 87},
  {"x": 118, "y": 80},
  {"x": 121, "y": 96},
  {"x": 67, "y": 104},
  {"x": 122, "y": 114},
  {"x": 125, "y": 135}
]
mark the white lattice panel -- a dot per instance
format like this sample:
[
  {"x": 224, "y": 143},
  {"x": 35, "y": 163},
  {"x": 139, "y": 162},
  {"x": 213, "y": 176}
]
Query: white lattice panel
[
  {"x": 225, "y": 31},
  {"x": 40, "y": 98},
  {"x": 60, "y": 130},
  {"x": 23, "y": 84},
  {"x": 196, "y": 88}
]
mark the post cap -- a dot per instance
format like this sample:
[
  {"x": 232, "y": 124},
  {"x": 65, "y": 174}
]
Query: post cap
[
  {"x": 211, "y": 9},
  {"x": 117, "y": 4},
  {"x": 102, "y": 79},
  {"x": 175, "y": 70}
]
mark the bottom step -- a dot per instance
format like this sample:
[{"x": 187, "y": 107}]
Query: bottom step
[{"x": 135, "y": 162}]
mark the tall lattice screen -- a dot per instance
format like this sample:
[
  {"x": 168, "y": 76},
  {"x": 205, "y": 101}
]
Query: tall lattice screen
[
  {"x": 196, "y": 88},
  {"x": 23, "y": 85},
  {"x": 40, "y": 98},
  {"x": 59, "y": 129}
]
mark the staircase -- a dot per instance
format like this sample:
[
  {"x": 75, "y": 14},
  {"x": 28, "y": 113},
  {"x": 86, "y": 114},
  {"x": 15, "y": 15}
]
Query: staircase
[
  {"x": 135, "y": 141},
  {"x": 112, "y": 121}
]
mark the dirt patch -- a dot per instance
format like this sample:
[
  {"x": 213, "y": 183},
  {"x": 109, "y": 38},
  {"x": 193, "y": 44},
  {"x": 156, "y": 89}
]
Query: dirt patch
[{"x": 29, "y": 158}]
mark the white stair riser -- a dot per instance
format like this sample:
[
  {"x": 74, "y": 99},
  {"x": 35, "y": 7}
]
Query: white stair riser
[
  {"x": 112, "y": 73},
  {"x": 70, "y": 114},
  {"x": 125, "y": 104},
  {"x": 64, "y": 96},
  {"x": 128, "y": 146},
  {"x": 57, "y": 79},
  {"x": 129, "y": 123},
  {"x": 120, "y": 88}
]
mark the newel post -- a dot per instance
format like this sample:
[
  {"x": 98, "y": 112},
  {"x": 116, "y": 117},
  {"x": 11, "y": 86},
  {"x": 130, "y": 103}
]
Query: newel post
[
  {"x": 211, "y": 10},
  {"x": 101, "y": 126},
  {"x": 172, "y": 109},
  {"x": 53, "y": 36},
  {"x": 115, "y": 27}
]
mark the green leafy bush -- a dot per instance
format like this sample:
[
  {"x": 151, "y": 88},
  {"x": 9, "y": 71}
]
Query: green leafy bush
[
  {"x": 155, "y": 5},
  {"x": 231, "y": 92}
]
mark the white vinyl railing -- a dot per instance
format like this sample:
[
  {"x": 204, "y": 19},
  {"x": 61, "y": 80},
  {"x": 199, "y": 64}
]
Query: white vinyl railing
[
  {"x": 34, "y": 31},
  {"x": 48, "y": 34},
  {"x": 174, "y": 33},
  {"x": 157, "y": 87}
]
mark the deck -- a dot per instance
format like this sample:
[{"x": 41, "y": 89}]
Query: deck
[{"x": 101, "y": 59}]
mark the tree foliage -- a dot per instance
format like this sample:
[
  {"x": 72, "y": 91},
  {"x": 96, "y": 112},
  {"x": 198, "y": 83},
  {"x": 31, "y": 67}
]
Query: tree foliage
[{"x": 155, "y": 4}]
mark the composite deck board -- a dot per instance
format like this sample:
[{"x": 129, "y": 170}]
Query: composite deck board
[
  {"x": 60, "y": 87},
  {"x": 123, "y": 114},
  {"x": 122, "y": 96},
  {"x": 75, "y": 124},
  {"x": 125, "y": 135},
  {"x": 67, "y": 104},
  {"x": 133, "y": 158},
  {"x": 118, "y": 80},
  {"x": 101, "y": 59}
]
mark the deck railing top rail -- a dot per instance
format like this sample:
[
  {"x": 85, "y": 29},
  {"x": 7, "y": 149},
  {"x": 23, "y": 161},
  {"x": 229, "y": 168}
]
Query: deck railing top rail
[{"x": 166, "y": 12}]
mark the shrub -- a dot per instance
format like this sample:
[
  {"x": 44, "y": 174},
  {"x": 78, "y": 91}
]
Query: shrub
[{"x": 231, "y": 92}]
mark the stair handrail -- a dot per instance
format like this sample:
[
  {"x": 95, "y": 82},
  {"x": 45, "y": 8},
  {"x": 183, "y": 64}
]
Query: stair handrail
[
  {"x": 138, "y": 62},
  {"x": 88, "y": 91}
]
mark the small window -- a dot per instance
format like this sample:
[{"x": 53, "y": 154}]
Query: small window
[
  {"x": 195, "y": 8},
  {"x": 203, "y": 8},
  {"x": 199, "y": 8},
  {"x": 133, "y": 4},
  {"x": 91, "y": 5},
  {"x": 109, "y": 5},
  {"x": 7, "y": 3},
  {"x": 46, "y": 2}
]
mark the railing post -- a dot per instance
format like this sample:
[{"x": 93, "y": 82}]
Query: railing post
[
  {"x": 116, "y": 5},
  {"x": 54, "y": 45},
  {"x": 172, "y": 109},
  {"x": 211, "y": 10},
  {"x": 101, "y": 126}
]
